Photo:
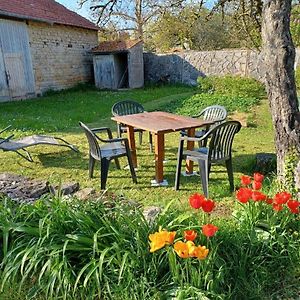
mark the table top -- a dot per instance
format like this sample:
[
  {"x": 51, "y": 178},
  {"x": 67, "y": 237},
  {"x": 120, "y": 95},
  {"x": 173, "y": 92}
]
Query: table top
[{"x": 160, "y": 122}]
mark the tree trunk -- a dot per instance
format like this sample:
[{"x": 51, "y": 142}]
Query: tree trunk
[{"x": 279, "y": 57}]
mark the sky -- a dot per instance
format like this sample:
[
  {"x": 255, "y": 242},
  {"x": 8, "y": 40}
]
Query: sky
[{"x": 73, "y": 5}]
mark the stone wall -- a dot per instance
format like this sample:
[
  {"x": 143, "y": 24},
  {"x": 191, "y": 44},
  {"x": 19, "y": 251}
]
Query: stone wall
[
  {"x": 60, "y": 55},
  {"x": 186, "y": 67}
]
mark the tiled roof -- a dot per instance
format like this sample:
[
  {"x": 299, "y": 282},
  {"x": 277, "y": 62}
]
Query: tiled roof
[
  {"x": 44, "y": 10},
  {"x": 115, "y": 46}
]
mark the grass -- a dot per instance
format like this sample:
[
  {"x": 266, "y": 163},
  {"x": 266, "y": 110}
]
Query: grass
[
  {"x": 85, "y": 250},
  {"x": 59, "y": 113}
]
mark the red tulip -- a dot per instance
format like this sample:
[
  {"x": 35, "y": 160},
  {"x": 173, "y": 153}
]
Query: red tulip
[
  {"x": 258, "y": 196},
  {"x": 209, "y": 230},
  {"x": 196, "y": 200},
  {"x": 282, "y": 198},
  {"x": 269, "y": 200},
  {"x": 258, "y": 177},
  {"x": 256, "y": 185},
  {"x": 277, "y": 207},
  {"x": 244, "y": 195},
  {"x": 208, "y": 205},
  {"x": 293, "y": 205},
  {"x": 190, "y": 235},
  {"x": 245, "y": 180}
]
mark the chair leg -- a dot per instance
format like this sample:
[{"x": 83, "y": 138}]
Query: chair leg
[
  {"x": 91, "y": 166},
  {"x": 150, "y": 142},
  {"x": 131, "y": 167},
  {"x": 117, "y": 163},
  {"x": 230, "y": 173},
  {"x": 140, "y": 137},
  {"x": 203, "y": 168},
  {"x": 178, "y": 167},
  {"x": 119, "y": 131},
  {"x": 104, "y": 172}
]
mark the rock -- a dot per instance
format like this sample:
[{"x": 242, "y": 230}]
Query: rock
[
  {"x": 85, "y": 194},
  {"x": 265, "y": 163},
  {"x": 22, "y": 189},
  {"x": 65, "y": 189},
  {"x": 151, "y": 212}
]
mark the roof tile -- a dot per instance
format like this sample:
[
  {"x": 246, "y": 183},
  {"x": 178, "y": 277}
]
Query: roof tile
[{"x": 44, "y": 10}]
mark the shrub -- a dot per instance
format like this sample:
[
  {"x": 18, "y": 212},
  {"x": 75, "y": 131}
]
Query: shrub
[
  {"x": 193, "y": 105},
  {"x": 93, "y": 250},
  {"x": 232, "y": 86}
]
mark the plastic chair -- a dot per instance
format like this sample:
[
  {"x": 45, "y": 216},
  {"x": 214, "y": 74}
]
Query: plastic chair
[
  {"x": 129, "y": 107},
  {"x": 108, "y": 150},
  {"x": 218, "y": 150},
  {"x": 216, "y": 113}
]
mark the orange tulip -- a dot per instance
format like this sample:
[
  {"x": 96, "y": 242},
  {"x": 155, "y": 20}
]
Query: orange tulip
[
  {"x": 200, "y": 252},
  {"x": 181, "y": 249},
  {"x": 161, "y": 238},
  {"x": 190, "y": 235},
  {"x": 209, "y": 230}
]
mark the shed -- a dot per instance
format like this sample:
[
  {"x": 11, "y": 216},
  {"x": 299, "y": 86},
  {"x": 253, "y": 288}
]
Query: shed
[
  {"x": 43, "y": 46},
  {"x": 119, "y": 64}
]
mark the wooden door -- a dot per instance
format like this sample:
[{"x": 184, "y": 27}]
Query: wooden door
[
  {"x": 104, "y": 71},
  {"x": 15, "y": 74},
  {"x": 16, "y": 78},
  {"x": 4, "y": 91}
]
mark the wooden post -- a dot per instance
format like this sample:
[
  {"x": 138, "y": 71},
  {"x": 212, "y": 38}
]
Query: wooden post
[
  {"x": 159, "y": 156},
  {"x": 190, "y": 146},
  {"x": 131, "y": 141}
]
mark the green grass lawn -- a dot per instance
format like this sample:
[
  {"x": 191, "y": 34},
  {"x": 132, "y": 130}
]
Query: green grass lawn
[{"x": 59, "y": 113}]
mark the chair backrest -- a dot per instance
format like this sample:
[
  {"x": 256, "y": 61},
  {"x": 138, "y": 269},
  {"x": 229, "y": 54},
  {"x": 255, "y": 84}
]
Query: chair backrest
[
  {"x": 92, "y": 140},
  {"x": 127, "y": 107},
  {"x": 216, "y": 113},
  {"x": 221, "y": 139}
]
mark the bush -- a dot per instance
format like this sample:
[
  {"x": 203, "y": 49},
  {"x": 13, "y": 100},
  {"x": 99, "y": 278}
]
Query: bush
[
  {"x": 90, "y": 250},
  {"x": 193, "y": 105},
  {"x": 236, "y": 86}
]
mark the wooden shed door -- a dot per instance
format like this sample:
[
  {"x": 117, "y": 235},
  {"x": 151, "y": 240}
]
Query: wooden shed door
[
  {"x": 15, "y": 74},
  {"x": 16, "y": 71}
]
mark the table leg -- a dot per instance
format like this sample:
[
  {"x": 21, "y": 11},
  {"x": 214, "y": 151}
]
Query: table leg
[
  {"x": 131, "y": 141},
  {"x": 159, "y": 157},
  {"x": 190, "y": 146}
]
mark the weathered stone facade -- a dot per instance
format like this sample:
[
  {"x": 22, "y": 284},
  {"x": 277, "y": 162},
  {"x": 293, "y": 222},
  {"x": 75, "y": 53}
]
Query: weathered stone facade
[
  {"x": 186, "y": 67},
  {"x": 60, "y": 55}
]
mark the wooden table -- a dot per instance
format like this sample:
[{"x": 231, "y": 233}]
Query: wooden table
[{"x": 159, "y": 123}]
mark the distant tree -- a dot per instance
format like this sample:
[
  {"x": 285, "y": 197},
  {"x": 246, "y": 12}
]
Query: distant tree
[
  {"x": 131, "y": 15},
  {"x": 189, "y": 28}
]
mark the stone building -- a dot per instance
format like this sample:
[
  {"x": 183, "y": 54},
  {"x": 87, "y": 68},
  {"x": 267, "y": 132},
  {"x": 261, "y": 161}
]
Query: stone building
[
  {"x": 119, "y": 64},
  {"x": 43, "y": 46}
]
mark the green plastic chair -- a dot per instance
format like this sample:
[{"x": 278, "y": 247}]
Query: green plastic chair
[
  {"x": 220, "y": 139},
  {"x": 105, "y": 150}
]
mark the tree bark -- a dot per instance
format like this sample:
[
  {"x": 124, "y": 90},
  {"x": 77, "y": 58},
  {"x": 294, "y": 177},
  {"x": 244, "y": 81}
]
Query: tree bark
[{"x": 279, "y": 58}]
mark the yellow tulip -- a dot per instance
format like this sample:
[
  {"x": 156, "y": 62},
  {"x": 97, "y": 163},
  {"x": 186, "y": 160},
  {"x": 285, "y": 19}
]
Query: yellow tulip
[{"x": 161, "y": 238}]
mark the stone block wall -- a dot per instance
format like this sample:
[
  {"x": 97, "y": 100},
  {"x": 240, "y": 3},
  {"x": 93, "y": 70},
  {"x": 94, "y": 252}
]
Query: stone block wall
[
  {"x": 186, "y": 67},
  {"x": 60, "y": 55}
]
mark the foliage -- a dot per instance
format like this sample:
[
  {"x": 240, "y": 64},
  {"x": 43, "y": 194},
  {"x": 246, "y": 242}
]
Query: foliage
[
  {"x": 96, "y": 249},
  {"x": 193, "y": 105},
  {"x": 297, "y": 77},
  {"x": 232, "y": 86},
  {"x": 188, "y": 29}
]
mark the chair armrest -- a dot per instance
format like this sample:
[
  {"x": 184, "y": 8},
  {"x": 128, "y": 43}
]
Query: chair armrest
[
  {"x": 100, "y": 129},
  {"x": 195, "y": 139},
  {"x": 5, "y": 129}
]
